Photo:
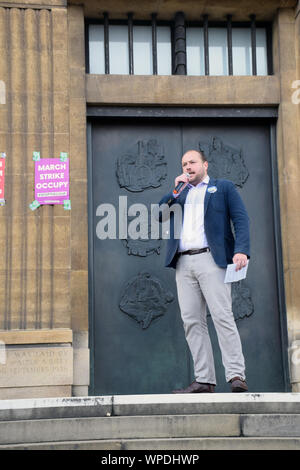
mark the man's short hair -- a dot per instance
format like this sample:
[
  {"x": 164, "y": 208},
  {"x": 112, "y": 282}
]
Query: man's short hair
[
  {"x": 204, "y": 159},
  {"x": 200, "y": 153}
]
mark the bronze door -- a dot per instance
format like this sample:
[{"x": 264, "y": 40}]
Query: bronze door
[{"x": 136, "y": 334}]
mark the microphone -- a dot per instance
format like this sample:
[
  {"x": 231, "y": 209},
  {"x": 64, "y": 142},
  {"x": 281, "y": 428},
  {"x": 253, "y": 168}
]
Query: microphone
[{"x": 179, "y": 188}]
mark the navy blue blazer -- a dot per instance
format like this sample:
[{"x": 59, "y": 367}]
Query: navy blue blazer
[{"x": 221, "y": 206}]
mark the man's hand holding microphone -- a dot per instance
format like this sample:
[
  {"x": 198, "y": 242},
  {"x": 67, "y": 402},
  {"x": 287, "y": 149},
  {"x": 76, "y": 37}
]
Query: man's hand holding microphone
[{"x": 180, "y": 183}]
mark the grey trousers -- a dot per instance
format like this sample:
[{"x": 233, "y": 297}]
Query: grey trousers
[{"x": 200, "y": 282}]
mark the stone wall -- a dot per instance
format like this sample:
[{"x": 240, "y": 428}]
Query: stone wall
[
  {"x": 43, "y": 272},
  {"x": 44, "y": 254}
]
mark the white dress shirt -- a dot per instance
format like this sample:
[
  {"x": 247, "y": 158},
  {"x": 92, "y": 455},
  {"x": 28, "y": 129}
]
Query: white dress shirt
[{"x": 192, "y": 233}]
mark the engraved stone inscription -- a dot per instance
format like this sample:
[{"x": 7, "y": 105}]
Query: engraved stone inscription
[{"x": 37, "y": 366}]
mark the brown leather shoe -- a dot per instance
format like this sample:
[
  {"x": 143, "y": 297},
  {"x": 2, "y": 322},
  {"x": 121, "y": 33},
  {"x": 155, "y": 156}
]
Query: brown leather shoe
[
  {"x": 238, "y": 385},
  {"x": 197, "y": 387}
]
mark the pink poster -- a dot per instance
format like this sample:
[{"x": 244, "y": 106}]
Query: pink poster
[{"x": 52, "y": 181}]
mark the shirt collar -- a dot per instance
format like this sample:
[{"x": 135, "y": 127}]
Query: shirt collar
[{"x": 204, "y": 181}]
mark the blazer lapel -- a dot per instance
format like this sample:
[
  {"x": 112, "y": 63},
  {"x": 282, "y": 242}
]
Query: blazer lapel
[
  {"x": 182, "y": 196},
  {"x": 208, "y": 194}
]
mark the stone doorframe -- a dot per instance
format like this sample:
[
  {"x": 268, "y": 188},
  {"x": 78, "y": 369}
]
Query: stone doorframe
[{"x": 60, "y": 90}]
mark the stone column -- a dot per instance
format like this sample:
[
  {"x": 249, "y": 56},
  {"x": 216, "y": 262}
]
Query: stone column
[
  {"x": 286, "y": 48},
  {"x": 35, "y": 272},
  {"x": 79, "y": 215}
]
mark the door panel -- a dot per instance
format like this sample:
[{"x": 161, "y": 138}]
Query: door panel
[
  {"x": 241, "y": 153},
  {"x": 137, "y": 332},
  {"x": 131, "y": 284}
]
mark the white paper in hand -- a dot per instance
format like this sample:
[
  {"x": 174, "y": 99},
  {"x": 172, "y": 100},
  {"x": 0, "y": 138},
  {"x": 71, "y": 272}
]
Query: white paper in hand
[{"x": 232, "y": 275}]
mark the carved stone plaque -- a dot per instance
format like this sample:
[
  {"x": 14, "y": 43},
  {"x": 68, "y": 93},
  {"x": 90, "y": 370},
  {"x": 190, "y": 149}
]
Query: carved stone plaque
[
  {"x": 224, "y": 161},
  {"x": 144, "y": 298},
  {"x": 28, "y": 366},
  {"x": 143, "y": 167}
]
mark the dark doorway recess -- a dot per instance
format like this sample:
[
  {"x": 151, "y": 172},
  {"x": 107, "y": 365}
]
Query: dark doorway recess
[{"x": 136, "y": 336}]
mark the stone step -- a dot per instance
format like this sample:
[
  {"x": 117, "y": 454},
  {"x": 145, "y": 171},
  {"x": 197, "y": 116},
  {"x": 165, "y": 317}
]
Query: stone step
[
  {"x": 47, "y": 408},
  {"x": 187, "y": 444},
  {"x": 143, "y": 405},
  {"x": 149, "y": 427},
  {"x": 119, "y": 427},
  {"x": 196, "y": 421},
  {"x": 271, "y": 425}
]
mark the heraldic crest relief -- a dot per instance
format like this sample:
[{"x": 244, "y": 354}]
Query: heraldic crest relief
[
  {"x": 144, "y": 298},
  {"x": 143, "y": 168},
  {"x": 242, "y": 305},
  {"x": 143, "y": 246},
  {"x": 224, "y": 161}
]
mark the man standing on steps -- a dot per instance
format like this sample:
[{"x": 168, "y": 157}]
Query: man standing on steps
[{"x": 200, "y": 257}]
